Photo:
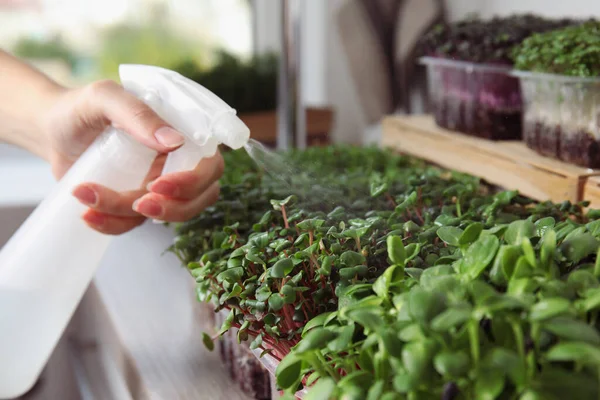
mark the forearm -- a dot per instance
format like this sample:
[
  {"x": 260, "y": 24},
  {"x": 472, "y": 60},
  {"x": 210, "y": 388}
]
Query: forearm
[{"x": 25, "y": 93}]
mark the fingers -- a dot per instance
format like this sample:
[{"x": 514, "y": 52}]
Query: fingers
[
  {"x": 132, "y": 115},
  {"x": 113, "y": 213},
  {"x": 159, "y": 207},
  {"x": 183, "y": 195},
  {"x": 189, "y": 184},
  {"x": 174, "y": 197},
  {"x": 111, "y": 224},
  {"x": 110, "y": 212},
  {"x": 107, "y": 201}
]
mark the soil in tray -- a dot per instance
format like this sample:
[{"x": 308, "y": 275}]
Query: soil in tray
[
  {"x": 243, "y": 367},
  {"x": 546, "y": 140},
  {"x": 474, "y": 119},
  {"x": 531, "y": 135},
  {"x": 580, "y": 148}
]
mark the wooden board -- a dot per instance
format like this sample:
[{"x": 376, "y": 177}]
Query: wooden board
[
  {"x": 263, "y": 125},
  {"x": 508, "y": 164},
  {"x": 591, "y": 191}
]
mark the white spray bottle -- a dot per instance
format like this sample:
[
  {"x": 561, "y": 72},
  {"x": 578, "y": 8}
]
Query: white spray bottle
[{"x": 49, "y": 262}]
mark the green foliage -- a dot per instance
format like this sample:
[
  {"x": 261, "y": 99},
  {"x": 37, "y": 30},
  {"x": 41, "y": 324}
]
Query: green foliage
[
  {"x": 54, "y": 48},
  {"x": 151, "y": 43},
  {"x": 572, "y": 51},
  {"x": 485, "y": 41},
  {"x": 248, "y": 86},
  {"x": 393, "y": 293}
]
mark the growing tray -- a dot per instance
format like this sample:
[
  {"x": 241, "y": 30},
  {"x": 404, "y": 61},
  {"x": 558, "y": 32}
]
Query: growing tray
[
  {"x": 479, "y": 100},
  {"x": 508, "y": 164},
  {"x": 560, "y": 117}
]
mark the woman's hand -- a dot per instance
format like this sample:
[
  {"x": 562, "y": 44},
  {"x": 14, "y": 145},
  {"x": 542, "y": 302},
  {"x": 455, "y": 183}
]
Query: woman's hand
[{"x": 74, "y": 118}]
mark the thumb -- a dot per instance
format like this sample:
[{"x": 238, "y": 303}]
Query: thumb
[{"x": 132, "y": 115}]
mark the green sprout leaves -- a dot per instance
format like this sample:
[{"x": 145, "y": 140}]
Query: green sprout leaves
[
  {"x": 450, "y": 235},
  {"x": 396, "y": 250},
  {"x": 485, "y": 41},
  {"x": 409, "y": 282},
  {"x": 479, "y": 255},
  {"x": 282, "y": 268},
  {"x": 572, "y": 51}
]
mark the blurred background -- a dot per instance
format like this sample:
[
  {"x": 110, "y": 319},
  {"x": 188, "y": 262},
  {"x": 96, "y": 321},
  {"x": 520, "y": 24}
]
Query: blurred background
[{"x": 79, "y": 41}]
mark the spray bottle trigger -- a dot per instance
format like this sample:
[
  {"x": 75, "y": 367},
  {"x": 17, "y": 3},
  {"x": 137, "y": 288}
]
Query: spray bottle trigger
[{"x": 187, "y": 157}]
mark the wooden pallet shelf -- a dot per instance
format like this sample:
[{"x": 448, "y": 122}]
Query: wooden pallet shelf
[
  {"x": 591, "y": 191},
  {"x": 508, "y": 164}
]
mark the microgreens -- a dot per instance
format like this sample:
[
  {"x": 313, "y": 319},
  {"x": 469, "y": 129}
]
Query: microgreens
[
  {"x": 573, "y": 51},
  {"x": 414, "y": 283},
  {"x": 485, "y": 41}
]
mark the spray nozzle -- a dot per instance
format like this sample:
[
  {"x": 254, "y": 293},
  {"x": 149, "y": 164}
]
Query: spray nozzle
[{"x": 202, "y": 117}]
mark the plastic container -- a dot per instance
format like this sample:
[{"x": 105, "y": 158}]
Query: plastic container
[
  {"x": 49, "y": 262},
  {"x": 562, "y": 116},
  {"x": 476, "y": 99},
  {"x": 270, "y": 364},
  {"x": 248, "y": 374}
]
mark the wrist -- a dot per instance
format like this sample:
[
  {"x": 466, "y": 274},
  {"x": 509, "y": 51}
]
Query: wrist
[
  {"x": 26, "y": 95},
  {"x": 39, "y": 141}
]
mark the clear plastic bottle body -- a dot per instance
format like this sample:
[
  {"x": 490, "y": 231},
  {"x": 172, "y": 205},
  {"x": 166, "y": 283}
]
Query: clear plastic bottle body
[{"x": 47, "y": 265}]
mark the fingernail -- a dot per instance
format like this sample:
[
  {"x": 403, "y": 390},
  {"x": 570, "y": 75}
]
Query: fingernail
[
  {"x": 169, "y": 137},
  {"x": 149, "y": 208},
  {"x": 94, "y": 219},
  {"x": 85, "y": 195},
  {"x": 164, "y": 188}
]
